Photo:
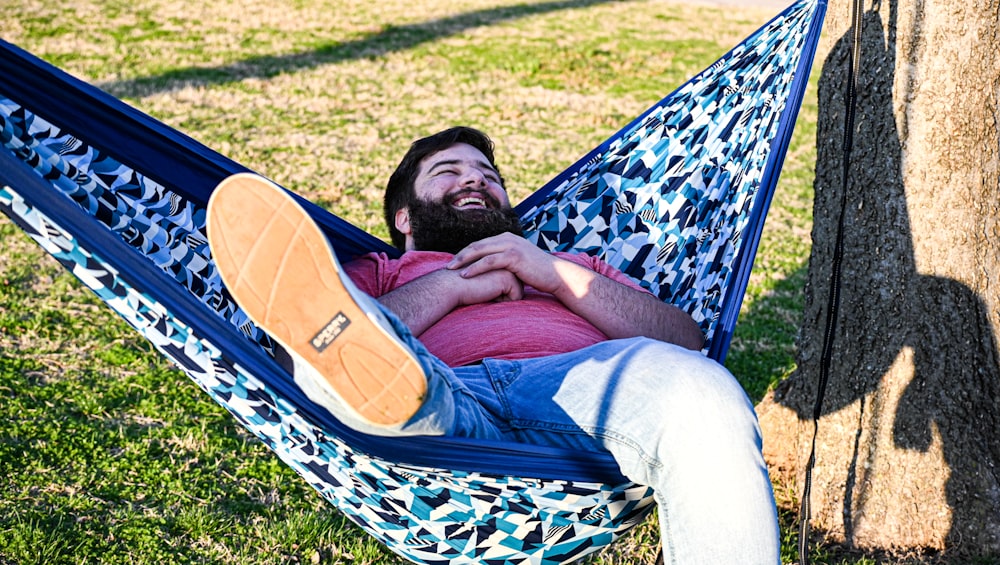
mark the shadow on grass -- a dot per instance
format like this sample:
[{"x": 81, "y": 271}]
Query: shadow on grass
[
  {"x": 763, "y": 349},
  {"x": 390, "y": 39}
]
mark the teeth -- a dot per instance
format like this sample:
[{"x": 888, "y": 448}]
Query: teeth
[{"x": 470, "y": 200}]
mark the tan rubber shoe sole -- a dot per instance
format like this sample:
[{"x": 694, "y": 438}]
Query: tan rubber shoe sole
[{"x": 281, "y": 270}]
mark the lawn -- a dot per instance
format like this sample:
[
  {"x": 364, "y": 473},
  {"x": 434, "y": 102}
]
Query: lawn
[{"x": 107, "y": 453}]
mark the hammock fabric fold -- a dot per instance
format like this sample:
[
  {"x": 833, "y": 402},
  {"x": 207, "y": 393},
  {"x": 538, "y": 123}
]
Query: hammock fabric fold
[{"x": 676, "y": 200}]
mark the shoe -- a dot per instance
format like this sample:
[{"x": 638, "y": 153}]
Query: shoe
[{"x": 281, "y": 270}]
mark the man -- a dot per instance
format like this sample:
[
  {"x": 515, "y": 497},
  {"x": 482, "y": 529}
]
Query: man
[{"x": 514, "y": 343}]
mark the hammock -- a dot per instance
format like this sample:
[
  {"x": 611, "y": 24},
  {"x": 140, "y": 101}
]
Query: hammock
[{"x": 676, "y": 200}]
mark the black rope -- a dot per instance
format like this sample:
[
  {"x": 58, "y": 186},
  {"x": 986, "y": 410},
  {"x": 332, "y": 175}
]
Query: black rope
[{"x": 833, "y": 305}]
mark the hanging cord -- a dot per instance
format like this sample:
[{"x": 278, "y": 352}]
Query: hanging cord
[{"x": 833, "y": 305}]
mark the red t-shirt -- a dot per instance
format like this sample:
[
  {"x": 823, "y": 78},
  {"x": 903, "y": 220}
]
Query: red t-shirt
[{"x": 535, "y": 326}]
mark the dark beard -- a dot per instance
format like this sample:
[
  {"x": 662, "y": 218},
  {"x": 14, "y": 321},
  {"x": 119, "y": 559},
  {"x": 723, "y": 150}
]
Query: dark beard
[{"x": 439, "y": 227}]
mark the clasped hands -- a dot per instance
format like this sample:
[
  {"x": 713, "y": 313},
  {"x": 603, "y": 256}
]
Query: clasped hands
[{"x": 498, "y": 268}]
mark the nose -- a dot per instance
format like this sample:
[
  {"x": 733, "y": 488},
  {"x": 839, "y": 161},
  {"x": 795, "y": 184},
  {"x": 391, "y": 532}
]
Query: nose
[{"x": 472, "y": 177}]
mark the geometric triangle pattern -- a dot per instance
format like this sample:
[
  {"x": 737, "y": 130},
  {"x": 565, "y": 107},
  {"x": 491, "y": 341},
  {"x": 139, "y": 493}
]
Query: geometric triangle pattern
[
  {"x": 667, "y": 200},
  {"x": 424, "y": 515}
]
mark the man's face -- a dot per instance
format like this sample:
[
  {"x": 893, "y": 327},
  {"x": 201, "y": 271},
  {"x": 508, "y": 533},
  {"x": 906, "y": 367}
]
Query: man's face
[
  {"x": 459, "y": 200},
  {"x": 460, "y": 176}
]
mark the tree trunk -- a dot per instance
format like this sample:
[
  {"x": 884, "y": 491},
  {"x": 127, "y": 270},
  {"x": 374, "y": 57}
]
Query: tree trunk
[{"x": 908, "y": 453}]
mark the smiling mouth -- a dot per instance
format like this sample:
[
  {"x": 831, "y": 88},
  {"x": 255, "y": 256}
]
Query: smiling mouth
[{"x": 470, "y": 202}]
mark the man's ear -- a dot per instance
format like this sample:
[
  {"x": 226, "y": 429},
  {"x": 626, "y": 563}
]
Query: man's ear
[{"x": 402, "y": 221}]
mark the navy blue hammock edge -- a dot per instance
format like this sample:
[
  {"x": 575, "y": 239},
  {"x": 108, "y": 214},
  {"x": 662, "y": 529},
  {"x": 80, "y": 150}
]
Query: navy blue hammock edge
[{"x": 676, "y": 200}]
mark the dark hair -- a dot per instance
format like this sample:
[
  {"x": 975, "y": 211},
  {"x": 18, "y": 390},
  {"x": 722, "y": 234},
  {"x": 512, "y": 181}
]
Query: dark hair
[{"x": 399, "y": 191}]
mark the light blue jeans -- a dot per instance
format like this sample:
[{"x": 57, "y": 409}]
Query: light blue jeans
[{"x": 672, "y": 418}]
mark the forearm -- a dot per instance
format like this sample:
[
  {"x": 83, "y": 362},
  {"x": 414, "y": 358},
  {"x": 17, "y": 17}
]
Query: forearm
[
  {"x": 420, "y": 303},
  {"x": 617, "y": 310},
  {"x": 423, "y": 301},
  {"x": 621, "y": 312}
]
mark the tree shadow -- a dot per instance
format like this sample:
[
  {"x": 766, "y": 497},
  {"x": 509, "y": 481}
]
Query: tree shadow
[
  {"x": 390, "y": 39},
  {"x": 889, "y": 308}
]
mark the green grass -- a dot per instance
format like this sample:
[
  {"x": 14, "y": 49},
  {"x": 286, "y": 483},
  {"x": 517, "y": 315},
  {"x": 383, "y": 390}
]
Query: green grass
[{"x": 109, "y": 455}]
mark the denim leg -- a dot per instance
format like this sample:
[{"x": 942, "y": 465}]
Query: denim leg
[
  {"x": 674, "y": 420},
  {"x": 451, "y": 406}
]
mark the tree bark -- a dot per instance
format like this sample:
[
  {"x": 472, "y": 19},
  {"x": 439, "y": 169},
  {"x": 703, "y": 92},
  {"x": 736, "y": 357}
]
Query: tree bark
[{"x": 908, "y": 452}]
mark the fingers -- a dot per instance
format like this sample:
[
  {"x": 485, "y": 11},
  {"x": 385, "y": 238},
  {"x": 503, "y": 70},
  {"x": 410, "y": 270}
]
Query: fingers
[
  {"x": 505, "y": 251},
  {"x": 492, "y": 262},
  {"x": 472, "y": 253},
  {"x": 515, "y": 291},
  {"x": 482, "y": 248},
  {"x": 493, "y": 286}
]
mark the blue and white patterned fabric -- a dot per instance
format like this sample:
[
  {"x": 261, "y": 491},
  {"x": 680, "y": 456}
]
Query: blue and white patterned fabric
[
  {"x": 676, "y": 200},
  {"x": 424, "y": 514},
  {"x": 670, "y": 198}
]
